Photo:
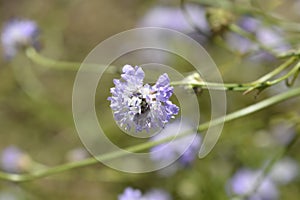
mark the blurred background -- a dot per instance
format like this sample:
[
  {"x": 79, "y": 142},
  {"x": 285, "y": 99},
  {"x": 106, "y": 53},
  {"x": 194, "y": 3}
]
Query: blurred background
[{"x": 36, "y": 123}]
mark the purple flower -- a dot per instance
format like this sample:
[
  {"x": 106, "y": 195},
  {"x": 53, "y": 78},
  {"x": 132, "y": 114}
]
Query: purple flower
[
  {"x": 284, "y": 171},
  {"x": 14, "y": 160},
  {"x": 135, "y": 194},
  {"x": 272, "y": 37},
  {"x": 141, "y": 106},
  {"x": 157, "y": 194},
  {"x": 269, "y": 36},
  {"x": 244, "y": 182},
  {"x": 249, "y": 24},
  {"x": 17, "y": 33},
  {"x": 283, "y": 132},
  {"x": 130, "y": 194},
  {"x": 239, "y": 43},
  {"x": 173, "y": 18},
  {"x": 184, "y": 149}
]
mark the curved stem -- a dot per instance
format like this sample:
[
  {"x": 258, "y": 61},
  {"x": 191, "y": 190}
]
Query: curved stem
[
  {"x": 276, "y": 71},
  {"x": 262, "y": 82},
  {"x": 287, "y": 75},
  {"x": 34, "y": 56},
  {"x": 137, "y": 148},
  {"x": 37, "y": 58}
]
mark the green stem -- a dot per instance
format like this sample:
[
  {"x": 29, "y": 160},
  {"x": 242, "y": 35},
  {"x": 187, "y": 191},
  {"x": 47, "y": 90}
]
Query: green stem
[
  {"x": 276, "y": 71},
  {"x": 34, "y": 56},
  {"x": 137, "y": 148},
  {"x": 257, "y": 84},
  {"x": 37, "y": 58},
  {"x": 43, "y": 61},
  {"x": 287, "y": 75},
  {"x": 292, "y": 53}
]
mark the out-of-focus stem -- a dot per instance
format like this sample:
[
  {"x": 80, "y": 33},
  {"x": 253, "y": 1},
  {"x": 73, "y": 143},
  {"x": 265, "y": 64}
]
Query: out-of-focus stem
[
  {"x": 41, "y": 60},
  {"x": 37, "y": 58}
]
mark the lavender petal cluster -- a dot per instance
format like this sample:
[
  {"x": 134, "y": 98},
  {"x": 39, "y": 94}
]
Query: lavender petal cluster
[
  {"x": 18, "y": 33},
  {"x": 182, "y": 150},
  {"x": 173, "y": 18},
  {"x": 244, "y": 182},
  {"x": 135, "y": 194},
  {"x": 140, "y": 105},
  {"x": 269, "y": 36},
  {"x": 14, "y": 160}
]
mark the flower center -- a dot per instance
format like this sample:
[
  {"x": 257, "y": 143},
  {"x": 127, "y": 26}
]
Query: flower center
[{"x": 138, "y": 101}]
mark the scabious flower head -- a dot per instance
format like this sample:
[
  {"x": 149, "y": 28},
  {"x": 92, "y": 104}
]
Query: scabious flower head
[
  {"x": 135, "y": 194},
  {"x": 17, "y": 33},
  {"x": 140, "y": 105},
  {"x": 244, "y": 182},
  {"x": 14, "y": 160},
  {"x": 182, "y": 150}
]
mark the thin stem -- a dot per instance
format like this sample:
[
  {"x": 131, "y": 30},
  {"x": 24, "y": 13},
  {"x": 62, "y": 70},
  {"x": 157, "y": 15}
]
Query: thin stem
[
  {"x": 262, "y": 82},
  {"x": 284, "y": 77},
  {"x": 37, "y": 58},
  {"x": 292, "y": 53},
  {"x": 62, "y": 65},
  {"x": 276, "y": 71},
  {"x": 253, "y": 108},
  {"x": 137, "y": 148}
]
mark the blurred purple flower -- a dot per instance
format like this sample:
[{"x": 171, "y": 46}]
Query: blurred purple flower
[
  {"x": 141, "y": 106},
  {"x": 173, "y": 18},
  {"x": 135, "y": 194},
  {"x": 244, "y": 181},
  {"x": 249, "y": 24},
  {"x": 283, "y": 132},
  {"x": 77, "y": 154},
  {"x": 130, "y": 194},
  {"x": 269, "y": 36},
  {"x": 272, "y": 37},
  {"x": 14, "y": 160},
  {"x": 157, "y": 194},
  {"x": 284, "y": 171},
  {"x": 184, "y": 149},
  {"x": 17, "y": 33},
  {"x": 239, "y": 43}
]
